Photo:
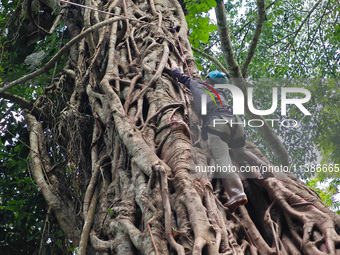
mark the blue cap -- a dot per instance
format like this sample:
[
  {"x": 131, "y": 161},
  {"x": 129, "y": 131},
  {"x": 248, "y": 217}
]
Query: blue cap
[
  {"x": 216, "y": 74},
  {"x": 217, "y": 77}
]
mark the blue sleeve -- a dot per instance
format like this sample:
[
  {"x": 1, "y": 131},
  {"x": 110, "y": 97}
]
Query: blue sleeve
[{"x": 181, "y": 77}]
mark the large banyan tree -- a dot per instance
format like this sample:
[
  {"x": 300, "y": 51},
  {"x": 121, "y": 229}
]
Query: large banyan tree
[{"x": 110, "y": 143}]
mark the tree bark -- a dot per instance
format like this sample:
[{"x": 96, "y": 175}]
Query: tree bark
[{"x": 113, "y": 162}]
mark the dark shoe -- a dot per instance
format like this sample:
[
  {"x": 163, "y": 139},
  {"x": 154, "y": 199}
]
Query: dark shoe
[{"x": 236, "y": 201}]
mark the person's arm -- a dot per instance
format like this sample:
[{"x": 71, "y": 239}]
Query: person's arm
[{"x": 181, "y": 77}]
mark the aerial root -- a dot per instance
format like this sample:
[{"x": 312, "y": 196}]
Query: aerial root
[
  {"x": 317, "y": 234},
  {"x": 158, "y": 73},
  {"x": 92, "y": 185},
  {"x": 275, "y": 228},
  {"x": 213, "y": 216},
  {"x": 167, "y": 211},
  {"x": 151, "y": 235},
  {"x": 254, "y": 234},
  {"x": 131, "y": 89}
]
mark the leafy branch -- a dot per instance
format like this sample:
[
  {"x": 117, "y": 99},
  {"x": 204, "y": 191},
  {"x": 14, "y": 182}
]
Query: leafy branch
[
  {"x": 214, "y": 60},
  {"x": 25, "y": 104},
  {"x": 266, "y": 131},
  {"x": 60, "y": 53},
  {"x": 259, "y": 25}
]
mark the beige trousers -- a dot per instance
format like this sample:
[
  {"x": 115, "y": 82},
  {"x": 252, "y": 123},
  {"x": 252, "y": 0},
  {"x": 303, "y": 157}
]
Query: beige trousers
[{"x": 220, "y": 150}]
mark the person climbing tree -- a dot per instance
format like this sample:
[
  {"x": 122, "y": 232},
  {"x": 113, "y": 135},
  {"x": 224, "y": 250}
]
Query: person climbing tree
[{"x": 220, "y": 137}]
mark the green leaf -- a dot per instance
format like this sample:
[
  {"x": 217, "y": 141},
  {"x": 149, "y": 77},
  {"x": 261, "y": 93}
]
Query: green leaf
[{"x": 17, "y": 148}]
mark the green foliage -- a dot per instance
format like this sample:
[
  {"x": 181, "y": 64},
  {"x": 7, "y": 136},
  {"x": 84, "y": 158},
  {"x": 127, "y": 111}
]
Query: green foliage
[
  {"x": 22, "y": 207},
  {"x": 15, "y": 50},
  {"x": 198, "y": 22},
  {"x": 326, "y": 190},
  {"x": 327, "y": 134},
  {"x": 300, "y": 39},
  {"x": 307, "y": 47},
  {"x": 302, "y": 49}
]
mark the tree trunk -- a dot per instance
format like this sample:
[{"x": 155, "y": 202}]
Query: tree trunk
[{"x": 113, "y": 162}]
